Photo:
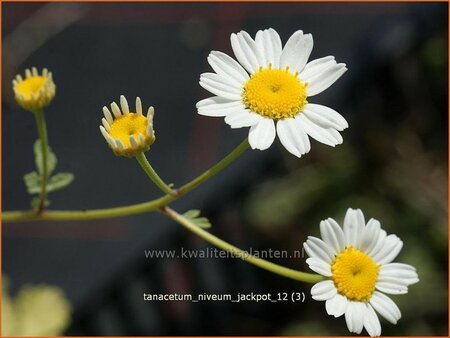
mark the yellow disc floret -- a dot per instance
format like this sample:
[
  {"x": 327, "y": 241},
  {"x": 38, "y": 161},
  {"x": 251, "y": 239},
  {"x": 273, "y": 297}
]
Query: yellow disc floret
[
  {"x": 354, "y": 274},
  {"x": 126, "y": 125},
  {"x": 35, "y": 91},
  {"x": 275, "y": 93},
  {"x": 128, "y": 133},
  {"x": 31, "y": 86}
]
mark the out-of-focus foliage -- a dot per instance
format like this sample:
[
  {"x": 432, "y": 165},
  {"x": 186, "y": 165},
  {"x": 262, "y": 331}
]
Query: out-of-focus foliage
[{"x": 37, "y": 310}]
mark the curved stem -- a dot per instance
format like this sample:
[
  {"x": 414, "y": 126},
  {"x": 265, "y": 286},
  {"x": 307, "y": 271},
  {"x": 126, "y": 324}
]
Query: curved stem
[
  {"x": 215, "y": 169},
  {"x": 42, "y": 132},
  {"x": 151, "y": 173},
  {"x": 244, "y": 255},
  {"x": 80, "y": 215}
]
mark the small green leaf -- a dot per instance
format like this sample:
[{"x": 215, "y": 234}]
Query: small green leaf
[
  {"x": 193, "y": 213},
  {"x": 201, "y": 222},
  {"x": 51, "y": 158},
  {"x": 59, "y": 181},
  {"x": 35, "y": 203},
  {"x": 32, "y": 182}
]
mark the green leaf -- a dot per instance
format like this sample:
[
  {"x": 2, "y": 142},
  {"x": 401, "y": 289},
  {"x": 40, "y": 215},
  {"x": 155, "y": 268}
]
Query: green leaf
[
  {"x": 51, "y": 158},
  {"x": 35, "y": 203},
  {"x": 193, "y": 213},
  {"x": 201, "y": 222},
  {"x": 33, "y": 182},
  {"x": 59, "y": 181}
]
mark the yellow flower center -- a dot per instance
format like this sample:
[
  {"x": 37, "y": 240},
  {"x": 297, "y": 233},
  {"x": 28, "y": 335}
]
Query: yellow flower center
[
  {"x": 30, "y": 86},
  {"x": 126, "y": 125},
  {"x": 354, "y": 274},
  {"x": 275, "y": 93}
]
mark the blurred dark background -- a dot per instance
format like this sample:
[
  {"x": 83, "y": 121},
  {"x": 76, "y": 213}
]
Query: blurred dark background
[{"x": 392, "y": 165}]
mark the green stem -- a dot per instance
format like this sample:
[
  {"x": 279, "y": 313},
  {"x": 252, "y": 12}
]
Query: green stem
[
  {"x": 42, "y": 133},
  {"x": 151, "y": 173},
  {"x": 244, "y": 255},
  {"x": 134, "y": 209},
  {"x": 215, "y": 169}
]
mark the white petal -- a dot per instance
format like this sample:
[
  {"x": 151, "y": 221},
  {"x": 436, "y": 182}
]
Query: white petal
[
  {"x": 371, "y": 322},
  {"x": 218, "y": 106},
  {"x": 150, "y": 113},
  {"x": 319, "y": 266},
  {"x": 385, "y": 307},
  {"x": 370, "y": 235},
  {"x": 246, "y": 51},
  {"x": 326, "y": 136},
  {"x": 332, "y": 234},
  {"x": 138, "y": 106},
  {"x": 141, "y": 139},
  {"x": 269, "y": 44},
  {"x": 405, "y": 273},
  {"x": 116, "y": 110},
  {"x": 336, "y": 306},
  {"x": 224, "y": 111},
  {"x": 106, "y": 124},
  {"x": 133, "y": 142},
  {"x": 293, "y": 137},
  {"x": 315, "y": 247},
  {"x": 394, "y": 278},
  {"x": 218, "y": 85},
  {"x": 392, "y": 286},
  {"x": 353, "y": 227},
  {"x": 325, "y": 116},
  {"x": 379, "y": 243},
  {"x": 105, "y": 134},
  {"x": 119, "y": 144},
  {"x": 227, "y": 67},
  {"x": 321, "y": 81},
  {"x": 316, "y": 66},
  {"x": 108, "y": 115},
  {"x": 124, "y": 104},
  {"x": 262, "y": 134},
  {"x": 296, "y": 51},
  {"x": 213, "y": 101},
  {"x": 242, "y": 117},
  {"x": 392, "y": 245},
  {"x": 323, "y": 290},
  {"x": 150, "y": 130},
  {"x": 354, "y": 316}
]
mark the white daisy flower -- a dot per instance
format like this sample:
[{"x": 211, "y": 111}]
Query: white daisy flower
[
  {"x": 128, "y": 133},
  {"x": 357, "y": 260},
  {"x": 270, "y": 86},
  {"x": 35, "y": 91}
]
